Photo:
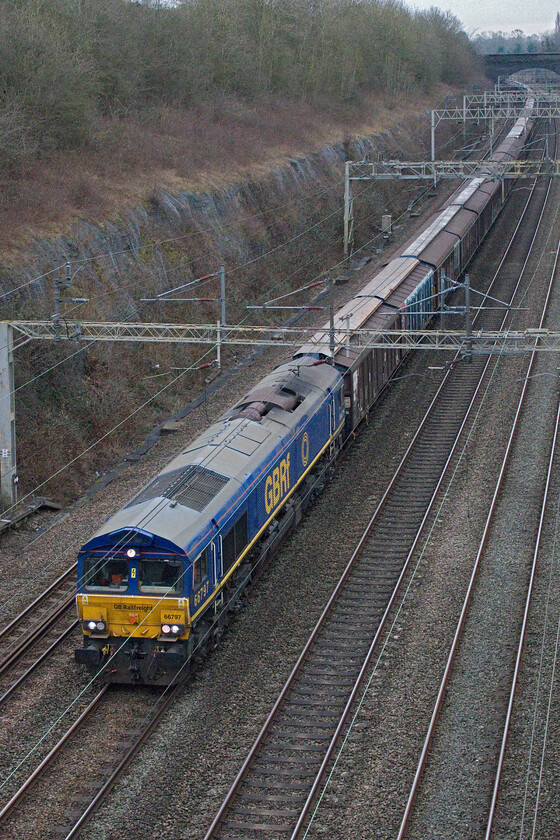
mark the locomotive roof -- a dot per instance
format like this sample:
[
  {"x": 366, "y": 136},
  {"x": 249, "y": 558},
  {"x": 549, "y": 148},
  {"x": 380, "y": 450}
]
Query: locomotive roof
[{"x": 205, "y": 482}]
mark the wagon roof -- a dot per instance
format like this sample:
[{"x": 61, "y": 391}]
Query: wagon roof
[{"x": 359, "y": 310}]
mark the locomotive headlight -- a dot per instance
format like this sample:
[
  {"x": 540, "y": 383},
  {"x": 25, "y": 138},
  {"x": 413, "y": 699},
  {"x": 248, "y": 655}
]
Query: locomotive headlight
[
  {"x": 172, "y": 630},
  {"x": 131, "y": 552},
  {"x": 95, "y": 626}
]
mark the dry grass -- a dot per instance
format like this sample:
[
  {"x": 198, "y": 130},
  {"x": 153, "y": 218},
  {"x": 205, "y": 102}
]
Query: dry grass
[
  {"x": 84, "y": 397},
  {"x": 170, "y": 148}
]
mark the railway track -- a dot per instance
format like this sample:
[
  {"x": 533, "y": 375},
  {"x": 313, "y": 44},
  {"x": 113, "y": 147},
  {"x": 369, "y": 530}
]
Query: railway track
[
  {"x": 36, "y": 632},
  {"x": 547, "y": 506},
  {"x": 524, "y": 799},
  {"x": 22, "y": 670},
  {"x": 423, "y": 813},
  {"x": 333, "y": 679},
  {"x": 144, "y": 710},
  {"x": 277, "y": 784},
  {"x": 38, "y": 617}
]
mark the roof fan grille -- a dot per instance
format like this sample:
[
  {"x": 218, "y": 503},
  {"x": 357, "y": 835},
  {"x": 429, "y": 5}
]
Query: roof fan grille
[
  {"x": 197, "y": 488},
  {"x": 193, "y": 487}
]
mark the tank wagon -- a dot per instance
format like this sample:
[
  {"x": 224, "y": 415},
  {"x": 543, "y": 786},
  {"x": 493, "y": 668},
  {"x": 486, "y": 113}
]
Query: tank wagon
[{"x": 157, "y": 581}]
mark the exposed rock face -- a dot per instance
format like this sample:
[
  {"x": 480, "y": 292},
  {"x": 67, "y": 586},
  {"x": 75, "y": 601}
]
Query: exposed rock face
[{"x": 273, "y": 233}]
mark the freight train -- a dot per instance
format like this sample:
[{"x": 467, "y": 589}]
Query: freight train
[{"x": 157, "y": 581}]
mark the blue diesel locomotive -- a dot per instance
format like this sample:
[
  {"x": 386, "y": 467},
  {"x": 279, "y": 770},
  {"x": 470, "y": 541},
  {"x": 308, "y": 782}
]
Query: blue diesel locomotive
[{"x": 156, "y": 580}]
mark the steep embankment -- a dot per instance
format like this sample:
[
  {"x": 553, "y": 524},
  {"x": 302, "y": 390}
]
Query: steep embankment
[
  {"x": 273, "y": 217},
  {"x": 204, "y": 148}
]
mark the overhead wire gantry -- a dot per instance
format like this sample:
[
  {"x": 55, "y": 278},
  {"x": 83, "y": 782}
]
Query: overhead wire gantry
[{"x": 490, "y": 105}]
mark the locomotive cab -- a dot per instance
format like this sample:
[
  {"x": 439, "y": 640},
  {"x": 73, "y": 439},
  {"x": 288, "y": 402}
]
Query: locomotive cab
[{"x": 134, "y": 608}]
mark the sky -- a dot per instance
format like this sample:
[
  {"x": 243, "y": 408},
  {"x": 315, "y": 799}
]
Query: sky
[{"x": 493, "y": 15}]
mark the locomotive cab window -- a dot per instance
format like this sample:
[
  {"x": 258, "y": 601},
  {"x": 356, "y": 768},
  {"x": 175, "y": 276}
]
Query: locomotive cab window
[
  {"x": 200, "y": 568},
  {"x": 234, "y": 541},
  {"x": 102, "y": 573},
  {"x": 160, "y": 577}
]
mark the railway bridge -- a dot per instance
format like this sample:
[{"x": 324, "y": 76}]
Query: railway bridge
[{"x": 504, "y": 64}]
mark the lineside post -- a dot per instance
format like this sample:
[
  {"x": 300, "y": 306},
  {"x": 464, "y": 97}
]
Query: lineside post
[
  {"x": 223, "y": 292},
  {"x": 219, "y": 346},
  {"x": 433, "y": 133},
  {"x": 348, "y": 212},
  {"x": 56, "y": 316},
  {"x": 468, "y": 319},
  {"x": 8, "y": 476},
  {"x": 331, "y": 320}
]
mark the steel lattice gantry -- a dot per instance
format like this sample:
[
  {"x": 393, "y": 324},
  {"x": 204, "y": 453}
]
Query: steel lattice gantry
[
  {"x": 435, "y": 169},
  {"x": 513, "y": 97},
  {"x": 293, "y": 337},
  {"x": 498, "y": 111},
  {"x": 495, "y": 106},
  {"x": 18, "y": 333}
]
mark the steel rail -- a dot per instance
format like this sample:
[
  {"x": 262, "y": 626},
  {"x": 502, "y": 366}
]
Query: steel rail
[
  {"x": 482, "y": 545},
  {"x": 303, "y": 656},
  {"x": 523, "y": 632},
  {"x": 37, "y": 662},
  {"x": 552, "y": 462},
  {"x": 374, "y": 644},
  {"x": 35, "y": 634},
  {"x": 390, "y": 604},
  {"x": 7, "y": 809},
  {"x": 24, "y": 613},
  {"x": 152, "y": 720}
]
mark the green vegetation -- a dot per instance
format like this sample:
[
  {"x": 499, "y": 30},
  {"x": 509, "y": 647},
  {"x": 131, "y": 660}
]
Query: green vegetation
[{"x": 66, "y": 66}]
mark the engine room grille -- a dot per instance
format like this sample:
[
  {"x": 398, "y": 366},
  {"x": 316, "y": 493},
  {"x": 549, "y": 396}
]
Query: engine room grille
[
  {"x": 193, "y": 487},
  {"x": 198, "y": 487}
]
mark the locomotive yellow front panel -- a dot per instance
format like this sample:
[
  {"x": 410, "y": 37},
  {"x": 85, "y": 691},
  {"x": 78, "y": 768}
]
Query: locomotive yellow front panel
[{"x": 132, "y": 617}]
